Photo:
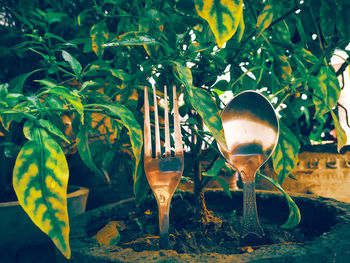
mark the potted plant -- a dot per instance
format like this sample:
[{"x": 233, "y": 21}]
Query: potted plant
[
  {"x": 53, "y": 109},
  {"x": 121, "y": 47}
]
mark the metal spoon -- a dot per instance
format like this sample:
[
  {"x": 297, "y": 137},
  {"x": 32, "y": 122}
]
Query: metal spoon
[{"x": 251, "y": 130}]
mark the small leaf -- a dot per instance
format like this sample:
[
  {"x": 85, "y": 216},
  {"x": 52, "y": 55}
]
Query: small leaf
[
  {"x": 224, "y": 17},
  {"x": 223, "y": 184},
  {"x": 73, "y": 62},
  {"x": 294, "y": 213},
  {"x": 285, "y": 156},
  {"x": 99, "y": 35},
  {"x": 217, "y": 167},
  {"x": 109, "y": 235},
  {"x": 132, "y": 39},
  {"x": 282, "y": 68},
  {"x": 40, "y": 179},
  {"x": 341, "y": 135},
  {"x": 264, "y": 19}
]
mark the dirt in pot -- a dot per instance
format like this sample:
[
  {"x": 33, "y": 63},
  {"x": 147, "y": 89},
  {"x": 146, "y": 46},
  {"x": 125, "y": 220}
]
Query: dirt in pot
[{"x": 140, "y": 230}]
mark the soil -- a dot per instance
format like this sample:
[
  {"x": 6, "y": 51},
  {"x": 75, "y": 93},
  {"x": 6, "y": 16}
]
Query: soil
[{"x": 139, "y": 231}]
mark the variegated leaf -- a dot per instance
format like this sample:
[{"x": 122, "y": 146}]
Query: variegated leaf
[
  {"x": 285, "y": 156},
  {"x": 282, "y": 68},
  {"x": 326, "y": 89},
  {"x": 40, "y": 179},
  {"x": 223, "y": 17},
  {"x": 341, "y": 135},
  {"x": 99, "y": 35},
  {"x": 203, "y": 103},
  {"x": 264, "y": 19}
]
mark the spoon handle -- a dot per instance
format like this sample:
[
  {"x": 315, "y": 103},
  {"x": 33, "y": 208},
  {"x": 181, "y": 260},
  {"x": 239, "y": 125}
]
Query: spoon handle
[{"x": 250, "y": 219}]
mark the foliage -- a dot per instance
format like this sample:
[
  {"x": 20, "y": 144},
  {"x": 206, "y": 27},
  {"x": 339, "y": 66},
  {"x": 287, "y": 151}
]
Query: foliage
[{"x": 73, "y": 72}]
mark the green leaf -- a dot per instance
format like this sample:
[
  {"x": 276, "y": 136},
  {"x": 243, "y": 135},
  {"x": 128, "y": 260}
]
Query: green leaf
[
  {"x": 132, "y": 39},
  {"x": 203, "y": 103},
  {"x": 343, "y": 18},
  {"x": 223, "y": 184},
  {"x": 217, "y": 167},
  {"x": 135, "y": 132},
  {"x": 285, "y": 156},
  {"x": 85, "y": 152},
  {"x": 40, "y": 179},
  {"x": 16, "y": 84},
  {"x": 52, "y": 129},
  {"x": 71, "y": 97},
  {"x": 73, "y": 62},
  {"x": 282, "y": 31},
  {"x": 341, "y": 135},
  {"x": 282, "y": 68},
  {"x": 326, "y": 90},
  {"x": 327, "y": 21},
  {"x": 224, "y": 17},
  {"x": 99, "y": 35},
  {"x": 294, "y": 213},
  {"x": 264, "y": 19}
]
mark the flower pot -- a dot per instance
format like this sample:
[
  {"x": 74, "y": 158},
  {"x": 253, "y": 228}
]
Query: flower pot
[
  {"x": 18, "y": 231},
  {"x": 320, "y": 171},
  {"x": 327, "y": 220}
]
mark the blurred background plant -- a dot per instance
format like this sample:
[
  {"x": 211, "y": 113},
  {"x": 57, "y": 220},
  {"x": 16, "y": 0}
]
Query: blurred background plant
[{"x": 73, "y": 73}]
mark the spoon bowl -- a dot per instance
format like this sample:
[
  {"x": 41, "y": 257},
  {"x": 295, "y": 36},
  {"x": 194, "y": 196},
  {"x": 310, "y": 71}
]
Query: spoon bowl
[{"x": 251, "y": 130}]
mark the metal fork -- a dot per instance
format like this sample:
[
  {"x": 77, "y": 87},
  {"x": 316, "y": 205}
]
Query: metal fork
[{"x": 163, "y": 172}]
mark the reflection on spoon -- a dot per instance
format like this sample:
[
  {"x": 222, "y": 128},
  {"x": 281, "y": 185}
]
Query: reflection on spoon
[{"x": 251, "y": 130}]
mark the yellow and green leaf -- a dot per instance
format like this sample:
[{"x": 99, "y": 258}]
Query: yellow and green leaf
[
  {"x": 326, "y": 90},
  {"x": 341, "y": 135},
  {"x": 264, "y": 19},
  {"x": 99, "y": 35},
  {"x": 285, "y": 156},
  {"x": 223, "y": 17},
  {"x": 40, "y": 179}
]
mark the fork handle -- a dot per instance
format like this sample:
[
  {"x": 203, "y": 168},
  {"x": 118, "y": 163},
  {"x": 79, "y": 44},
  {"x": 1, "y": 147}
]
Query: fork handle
[
  {"x": 163, "y": 211},
  {"x": 250, "y": 219}
]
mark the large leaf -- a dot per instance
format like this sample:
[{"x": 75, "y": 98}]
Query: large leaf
[
  {"x": 264, "y": 19},
  {"x": 223, "y": 17},
  {"x": 135, "y": 133},
  {"x": 341, "y": 135},
  {"x": 203, "y": 103},
  {"x": 40, "y": 179},
  {"x": 99, "y": 35},
  {"x": 73, "y": 62},
  {"x": 294, "y": 213},
  {"x": 285, "y": 156},
  {"x": 326, "y": 89}
]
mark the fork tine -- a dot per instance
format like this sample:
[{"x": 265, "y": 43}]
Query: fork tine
[
  {"x": 147, "y": 128},
  {"x": 166, "y": 120},
  {"x": 156, "y": 122},
  {"x": 177, "y": 130}
]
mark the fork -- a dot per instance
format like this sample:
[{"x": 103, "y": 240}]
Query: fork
[{"x": 163, "y": 172}]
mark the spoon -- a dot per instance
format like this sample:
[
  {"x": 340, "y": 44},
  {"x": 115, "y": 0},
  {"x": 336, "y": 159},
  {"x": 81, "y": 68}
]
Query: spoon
[{"x": 251, "y": 130}]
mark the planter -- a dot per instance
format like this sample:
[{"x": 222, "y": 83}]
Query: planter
[
  {"x": 18, "y": 231},
  {"x": 321, "y": 171},
  {"x": 325, "y": 221}
]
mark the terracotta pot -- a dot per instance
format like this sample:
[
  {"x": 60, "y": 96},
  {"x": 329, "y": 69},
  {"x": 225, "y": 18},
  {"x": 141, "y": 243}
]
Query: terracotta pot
[
  {"x": 328, "y": 219},
  {"x": 17, "y": 230}
]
